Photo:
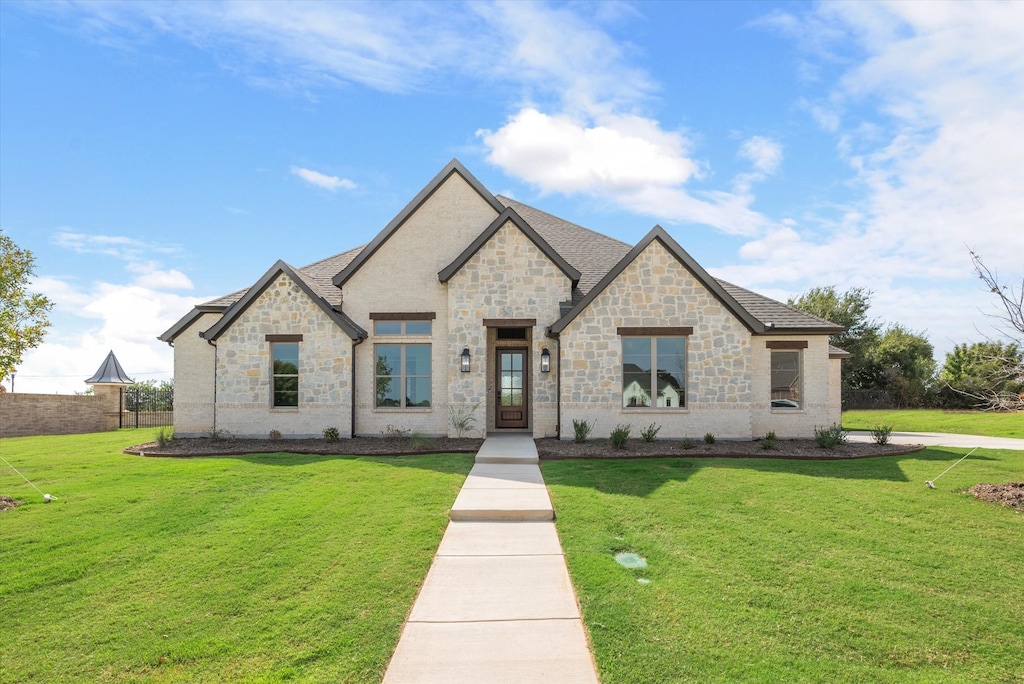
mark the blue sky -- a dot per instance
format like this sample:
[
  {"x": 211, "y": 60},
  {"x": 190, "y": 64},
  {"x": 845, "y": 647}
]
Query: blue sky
[{"x": 153, "y": 156}]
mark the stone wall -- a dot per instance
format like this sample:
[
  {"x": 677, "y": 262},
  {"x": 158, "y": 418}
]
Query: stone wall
[
  {"x": 657, "y": 290},
  {"x": 24, "y": 415},
  {"x": 816, "y": 406},
  {"x": 508, "y": 278},
  {"x": 243, "y": 364}
]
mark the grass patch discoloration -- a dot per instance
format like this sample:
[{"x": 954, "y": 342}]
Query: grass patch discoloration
[
  {"x": 264, "y": 567},
  {"x": 935, "y": 420},
  {"x": 773, "y": 570}
]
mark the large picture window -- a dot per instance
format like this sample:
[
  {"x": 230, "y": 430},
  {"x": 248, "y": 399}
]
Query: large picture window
[
  {"x": 285, "y": 373},
  {"x": 402, "y": 373},
  {"x": 786, "y": 379},
  {"x": 654, "y": 372}
]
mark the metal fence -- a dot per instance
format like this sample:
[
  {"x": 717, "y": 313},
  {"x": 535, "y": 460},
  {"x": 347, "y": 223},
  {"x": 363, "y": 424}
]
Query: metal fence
[{"x": 144, "y": 406}]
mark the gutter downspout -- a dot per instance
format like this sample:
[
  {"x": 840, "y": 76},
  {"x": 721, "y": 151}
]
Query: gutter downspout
[
  {"x": 558, "y": 382},
  {"x": 214, "y": 345},
  {"x": 352, "y": 424}
]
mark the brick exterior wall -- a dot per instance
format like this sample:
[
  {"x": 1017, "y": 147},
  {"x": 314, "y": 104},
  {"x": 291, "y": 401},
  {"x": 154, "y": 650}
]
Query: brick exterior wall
[
  {"x": 194, "y": 380},
  {"x": 402, "y": 277},
  {"x": 509, "y": 277},
  {"x": 243, "y": 365},
  {"x": 24, "y": 415},
  {"x": 816, "y": 405}
]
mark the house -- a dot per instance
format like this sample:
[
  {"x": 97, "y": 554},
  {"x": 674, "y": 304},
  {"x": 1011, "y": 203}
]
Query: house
[{"x": 468, "y": 303}]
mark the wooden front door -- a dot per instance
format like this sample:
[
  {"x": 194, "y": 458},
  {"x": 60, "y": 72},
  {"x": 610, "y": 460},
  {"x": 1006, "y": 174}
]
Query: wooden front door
[{"x": 512, "y": 395}]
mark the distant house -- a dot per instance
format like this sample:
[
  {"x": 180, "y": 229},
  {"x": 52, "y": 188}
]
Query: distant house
[{"x": 471, "y": 302}]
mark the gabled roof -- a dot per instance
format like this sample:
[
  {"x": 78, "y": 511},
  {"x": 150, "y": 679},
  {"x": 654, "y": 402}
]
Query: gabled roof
[
  {"x": 592, "y": 254},
  {"x": 508, "y": 215},
  {"x": 659, "y": 234},
  {"x": 454, "y": 166},
  {"x": 253, "y": 293},
  {"x": 110, "y": 373},
  {"x": 780, "y": 318}
]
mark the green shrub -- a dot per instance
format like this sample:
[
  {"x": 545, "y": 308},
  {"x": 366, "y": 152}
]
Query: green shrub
[
  {"x": 687, "y": 443},
  {"x": 392, "y": 431},
  {"x": 164, "y": 436},
  {"x": 581, "y": 430},
  {"x": 619, "y": 436},
  {"x": 331, "y": 434},
  {"x": 650, "y": 432},
  {"x": 881, "y": 433},
  {"x": 709, "y": 438},
  {"x": 770, "y": 442},
  {"x": 275, "y": 434},
  {"x": 463, "y": 418},
  {"x": 830, "y": 437}
]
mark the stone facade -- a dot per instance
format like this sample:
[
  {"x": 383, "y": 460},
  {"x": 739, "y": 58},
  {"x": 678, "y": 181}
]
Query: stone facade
[
  {"x": 656, "y": 290},
  {"x": 508, "y": 278},
  {"x": 243, "y": 368},
  {"x": 423, "y": 267}
]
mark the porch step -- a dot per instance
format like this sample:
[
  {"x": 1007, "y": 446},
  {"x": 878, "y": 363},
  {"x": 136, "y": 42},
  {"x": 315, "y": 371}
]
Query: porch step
[
  {"x": 505, "y": 492},
  {"x": 508, "y": 448}
]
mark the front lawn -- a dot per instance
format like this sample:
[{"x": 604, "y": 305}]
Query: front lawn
[
  {"x": 935, "y": 420},
  {"x": 265, "y": 567},
  {"x": 771, "y": 570}
]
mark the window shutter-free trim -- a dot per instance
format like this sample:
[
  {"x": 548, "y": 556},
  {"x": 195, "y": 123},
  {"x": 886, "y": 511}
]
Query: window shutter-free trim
[
  {"x": 786, "y": 344},
  {"x": 656, "y": 331},
  {"x": 284, "y": 338}
]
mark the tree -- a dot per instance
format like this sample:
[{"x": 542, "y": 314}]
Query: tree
[
  {"x": 850, "y": 310},
  {"x": 976, "y": 371},
  {"x": 23, "y": 314},
  {"x": 1010, "y": 368},
  {"x": 902, "y": 362}
]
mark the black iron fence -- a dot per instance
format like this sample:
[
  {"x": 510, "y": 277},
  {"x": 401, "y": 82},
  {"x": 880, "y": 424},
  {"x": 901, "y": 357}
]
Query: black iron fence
[{"x": 146, "y": 406}]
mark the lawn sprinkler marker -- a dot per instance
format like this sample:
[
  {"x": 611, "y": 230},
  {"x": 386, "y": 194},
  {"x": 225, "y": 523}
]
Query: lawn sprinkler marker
[
  {"x": 47, "y": 498},
  {"x": 931, "y": 483}
]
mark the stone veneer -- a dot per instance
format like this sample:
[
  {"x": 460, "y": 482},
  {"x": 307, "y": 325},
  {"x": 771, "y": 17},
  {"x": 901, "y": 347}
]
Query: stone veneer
[
  {"x": 508, "y": 278},
  {"x": 657, "y": 290},
  {"x": 244, "y": 368}
]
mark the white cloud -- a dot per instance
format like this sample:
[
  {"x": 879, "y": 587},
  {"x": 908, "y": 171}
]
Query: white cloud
[
  {"x": 321, "y": 180},
  {"x": 764, "y": 154},
  {"x": 626, "y": 159}
]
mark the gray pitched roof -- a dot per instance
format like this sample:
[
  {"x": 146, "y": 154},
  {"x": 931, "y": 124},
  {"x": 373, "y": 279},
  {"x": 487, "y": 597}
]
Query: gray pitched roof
[
  {"x": 508, "y": 215},
  {"x": 571, "y": 246},
  {"x": 592, "y": 254},
  {"x": 305, "y": 283},
  {"x": 110, "y": 373}
]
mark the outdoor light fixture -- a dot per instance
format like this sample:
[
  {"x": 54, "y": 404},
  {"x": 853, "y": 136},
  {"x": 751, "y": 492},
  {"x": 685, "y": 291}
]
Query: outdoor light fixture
[
  {"x": 465, "y": 360},
  {"x": 545, "y": 360}
]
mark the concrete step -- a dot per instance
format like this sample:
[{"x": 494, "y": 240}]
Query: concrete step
[
  {"x": 524, "y": 460},
  {"x": 520, "y": 504}
]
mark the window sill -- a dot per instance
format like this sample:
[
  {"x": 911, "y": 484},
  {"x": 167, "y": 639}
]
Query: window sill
[
  {"x": 284, "y": 409},
  {"x": 402, "y": 410},
  {"x": 788, "y": 412},
  {"x": 655, "y": 409}
]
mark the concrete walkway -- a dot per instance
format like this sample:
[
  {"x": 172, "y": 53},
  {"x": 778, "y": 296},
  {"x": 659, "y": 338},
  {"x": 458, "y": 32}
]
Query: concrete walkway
[
  {"x": 497, "y": 604},
  {"x": 944, "y": 439}
]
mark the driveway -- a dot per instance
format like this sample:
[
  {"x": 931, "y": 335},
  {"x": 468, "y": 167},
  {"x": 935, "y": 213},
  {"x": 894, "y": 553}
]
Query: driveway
[{"x": 944, "y": 439}]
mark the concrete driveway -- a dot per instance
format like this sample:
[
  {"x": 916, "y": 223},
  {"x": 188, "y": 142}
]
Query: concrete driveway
[{"x": 944, "y": 439}]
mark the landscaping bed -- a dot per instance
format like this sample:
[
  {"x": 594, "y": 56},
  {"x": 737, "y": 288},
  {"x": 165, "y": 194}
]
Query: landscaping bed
[
  {"x": 356, "y": 446},
  {"x": 1010, "y": 494},
  {"x": 553, "y": 449}
]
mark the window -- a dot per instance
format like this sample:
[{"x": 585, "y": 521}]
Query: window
[
  {"x": 786, "y": 379},
  {"x": 654, "y": 369},
  {"x": 285, "y": 373},
  {"x": 401, "y": 328},
  {"x": 402, "y": 375}
]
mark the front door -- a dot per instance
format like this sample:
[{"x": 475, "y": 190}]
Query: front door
[{"x": 512, "y": 391}]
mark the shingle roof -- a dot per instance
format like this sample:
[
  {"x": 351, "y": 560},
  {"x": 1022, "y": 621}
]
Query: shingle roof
[{"x": 591, "y": 253}]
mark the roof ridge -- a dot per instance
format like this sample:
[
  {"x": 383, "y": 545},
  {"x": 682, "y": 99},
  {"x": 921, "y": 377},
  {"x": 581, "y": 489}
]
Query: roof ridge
[{"x": 504, "y": 200}]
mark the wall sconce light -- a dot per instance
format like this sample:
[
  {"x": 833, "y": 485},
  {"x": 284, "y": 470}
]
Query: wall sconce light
[
  {"x": 545, "y": 360},
  {"x": 465, "y": 360}
]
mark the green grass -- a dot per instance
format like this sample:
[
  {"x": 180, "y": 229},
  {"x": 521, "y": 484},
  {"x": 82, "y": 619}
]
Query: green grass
[
  {"x": 936, "y": 420},
  {"x": 770, "y": 570},
  {"x": 259, "y": 568}
]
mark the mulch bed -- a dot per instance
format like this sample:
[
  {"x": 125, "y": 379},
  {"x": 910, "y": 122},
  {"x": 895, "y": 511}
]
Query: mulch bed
[
  {"x": 548, "y": 449},
  {"x": 1010, "y": 494},
  {"x": 7, "y": 503}
]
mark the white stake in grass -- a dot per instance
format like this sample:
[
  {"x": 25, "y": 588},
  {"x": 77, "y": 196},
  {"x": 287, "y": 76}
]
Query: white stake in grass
[
  {"x": 931, "y": 483},
  {"x": 47, "y": 498}
]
